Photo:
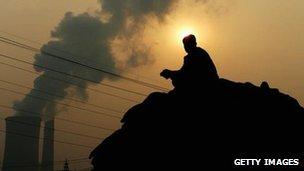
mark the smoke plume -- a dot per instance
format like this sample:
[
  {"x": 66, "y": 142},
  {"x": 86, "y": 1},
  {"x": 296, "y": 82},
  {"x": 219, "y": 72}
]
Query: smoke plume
[{"x": 92, "y": 40}]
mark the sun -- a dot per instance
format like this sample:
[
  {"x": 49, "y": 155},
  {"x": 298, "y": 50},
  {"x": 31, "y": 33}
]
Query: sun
[{"x": 185, "y": 31}]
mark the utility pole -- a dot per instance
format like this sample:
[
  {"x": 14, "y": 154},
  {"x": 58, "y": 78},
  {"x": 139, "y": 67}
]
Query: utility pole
[{"x": 66, "y": 166}]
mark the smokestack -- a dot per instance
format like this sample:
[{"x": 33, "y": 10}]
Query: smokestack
[
  {"x": 47, "y": 163},
  {"x": 22, "y": 144}
]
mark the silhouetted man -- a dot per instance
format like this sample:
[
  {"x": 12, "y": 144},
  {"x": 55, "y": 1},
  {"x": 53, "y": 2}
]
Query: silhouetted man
[{"x": 197, "y": 68}]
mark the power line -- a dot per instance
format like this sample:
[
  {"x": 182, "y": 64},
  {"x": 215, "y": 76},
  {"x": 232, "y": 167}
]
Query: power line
[
  {"x": 56, "y": 95},
  {"x": 58, "y": 118},
  {"x": 64, "y": 51},
  {"x": 27, "y": 47},
  {"x": 55, "y": 163},
  {"x": 35, "y": 137},
  {"x": 74, "y": 159},
  {"x": 67, "y": 82},
  {"x": 71, "y": 160},
  {"x": 64, "y": 104},
  {"x": 71, "y": 75},
  {"x": 58, "y": 130}
]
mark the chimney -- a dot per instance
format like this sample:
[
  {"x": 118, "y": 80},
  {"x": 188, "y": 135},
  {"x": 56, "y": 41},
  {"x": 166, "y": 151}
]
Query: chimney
[
  {"x": 47, "y": 163},
  {"x": 21, "y": 144}
]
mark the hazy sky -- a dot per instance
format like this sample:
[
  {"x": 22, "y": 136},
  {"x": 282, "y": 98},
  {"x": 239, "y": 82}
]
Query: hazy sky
[{"x": 249, "y": 40}]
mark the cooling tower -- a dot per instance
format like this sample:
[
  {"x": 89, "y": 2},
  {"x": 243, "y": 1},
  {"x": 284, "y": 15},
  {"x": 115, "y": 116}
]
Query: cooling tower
[
  {"x": 22, "y": 144},
  {"x": 47, "y": 163}
]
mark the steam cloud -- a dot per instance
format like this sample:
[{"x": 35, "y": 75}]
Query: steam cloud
[
  {"x": 110, "y": 39},
  {"x": 92, "y": 41}
]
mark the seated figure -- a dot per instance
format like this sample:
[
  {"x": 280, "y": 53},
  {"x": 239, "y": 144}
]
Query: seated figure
[{"x": 197, "y": 68}]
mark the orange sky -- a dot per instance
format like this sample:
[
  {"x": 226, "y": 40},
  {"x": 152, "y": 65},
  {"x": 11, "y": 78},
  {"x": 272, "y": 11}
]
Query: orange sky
[{"x": 248, "y": 41}]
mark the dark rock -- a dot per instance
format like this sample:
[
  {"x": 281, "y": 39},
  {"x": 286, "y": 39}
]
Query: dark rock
[{"x": 203, "y": 126}]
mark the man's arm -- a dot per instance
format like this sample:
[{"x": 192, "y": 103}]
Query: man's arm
[{"x": 168, "y": 74}]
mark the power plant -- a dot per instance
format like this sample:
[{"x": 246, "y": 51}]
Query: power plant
[
  {"x": 47, "y": 162},
  {"x": 21, "y": 151}
]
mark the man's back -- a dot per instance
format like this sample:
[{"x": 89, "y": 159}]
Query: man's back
[
  {"x": 198, "y": 68},
  {"x": 198, "y": 65}
]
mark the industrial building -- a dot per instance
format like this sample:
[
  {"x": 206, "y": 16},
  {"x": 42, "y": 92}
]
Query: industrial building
[{"x": 21, "y": 151}]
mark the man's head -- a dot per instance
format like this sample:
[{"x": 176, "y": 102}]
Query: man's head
[{"x": 189, "y": 43}]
